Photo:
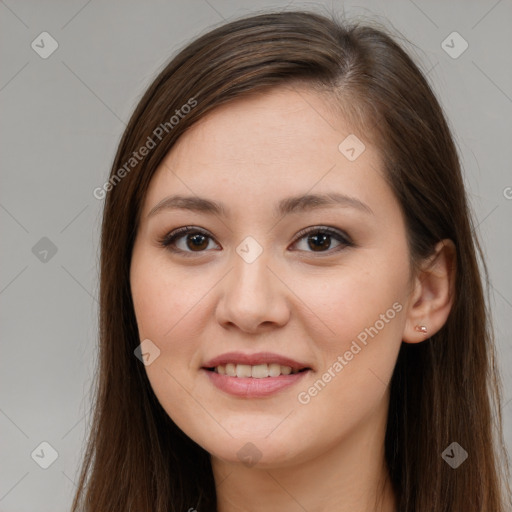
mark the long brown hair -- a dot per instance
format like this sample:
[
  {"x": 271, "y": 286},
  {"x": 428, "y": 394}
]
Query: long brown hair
[{"x": 442, "y": 390}]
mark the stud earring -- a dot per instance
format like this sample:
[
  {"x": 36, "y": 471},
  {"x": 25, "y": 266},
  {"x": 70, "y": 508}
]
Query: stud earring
[{"x": 421, "y": 328}]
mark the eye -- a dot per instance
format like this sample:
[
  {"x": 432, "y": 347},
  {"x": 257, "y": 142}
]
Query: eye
[
  {"x": 319, "y": 239},
  {"x": 186, "y": 240},
  {"x": 189, "y": 239}
]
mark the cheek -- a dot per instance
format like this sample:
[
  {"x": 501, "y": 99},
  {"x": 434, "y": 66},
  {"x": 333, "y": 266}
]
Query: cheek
[
  {"x": 164, "y": 298},
  {"x": 166, "y": 310},
  {"x": 354, "y": 299},
  {"x": 363, "y": 308}
]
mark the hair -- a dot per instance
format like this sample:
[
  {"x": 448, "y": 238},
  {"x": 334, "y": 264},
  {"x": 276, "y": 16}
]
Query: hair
[{"x": 442, "y": 390}]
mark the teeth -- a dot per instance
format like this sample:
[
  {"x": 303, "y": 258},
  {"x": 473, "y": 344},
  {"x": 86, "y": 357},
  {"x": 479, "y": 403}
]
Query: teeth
[
  {"x": 230, "y": 370},
  {"x": 258, "y": 371},
  {"x": 286, "y": 370},
  {"x": 243, "y": 370},
  {"x": 274, "y": 370}
]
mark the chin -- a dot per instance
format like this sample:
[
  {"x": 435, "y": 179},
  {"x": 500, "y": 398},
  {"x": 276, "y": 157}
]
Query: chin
[{"x": 256, "y": 448}]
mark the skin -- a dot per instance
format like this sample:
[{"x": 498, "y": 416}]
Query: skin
[{"x": 309, "y": 305}]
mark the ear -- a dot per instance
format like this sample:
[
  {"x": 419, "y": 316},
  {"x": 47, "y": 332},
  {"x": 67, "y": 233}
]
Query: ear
[{"x": 432, "y": 295}]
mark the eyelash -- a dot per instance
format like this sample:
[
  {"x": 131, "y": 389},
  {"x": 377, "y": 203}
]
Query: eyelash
[{"x": 340, "y": 236}]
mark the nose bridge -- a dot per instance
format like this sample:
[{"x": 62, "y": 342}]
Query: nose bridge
[
  {"x": 252, "y": 295},
  {"x": 251, "y": 278},
  {"x": 250, "y": 260}
]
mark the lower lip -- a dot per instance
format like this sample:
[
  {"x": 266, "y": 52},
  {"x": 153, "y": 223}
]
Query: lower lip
[{"x": 251, "y": 387}]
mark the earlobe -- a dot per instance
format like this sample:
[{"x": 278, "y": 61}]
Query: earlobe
[
  {"x": 421, "y": 328},
  {"x": 432, "y": 296}
]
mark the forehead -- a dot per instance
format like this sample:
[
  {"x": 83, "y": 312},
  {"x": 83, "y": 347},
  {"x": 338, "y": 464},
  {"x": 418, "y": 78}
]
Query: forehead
[
  {"x": 281, "y": 142},
  {"x": 270, "y": 126}
]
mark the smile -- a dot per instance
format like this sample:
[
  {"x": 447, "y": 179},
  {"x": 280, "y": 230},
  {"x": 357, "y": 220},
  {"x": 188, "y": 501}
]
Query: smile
[
  {"x": 254, "y": 375},
  {"x": 259, "y": 371}
]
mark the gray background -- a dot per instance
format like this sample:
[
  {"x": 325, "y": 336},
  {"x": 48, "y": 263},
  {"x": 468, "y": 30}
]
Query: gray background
[{"x": 61, "y": 120}]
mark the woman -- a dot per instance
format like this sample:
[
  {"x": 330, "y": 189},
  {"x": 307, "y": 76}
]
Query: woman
[{"x": 292, "y": 315}]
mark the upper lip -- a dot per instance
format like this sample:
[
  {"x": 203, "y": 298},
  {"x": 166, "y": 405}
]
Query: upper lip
[{"x": 254, "y": 359}]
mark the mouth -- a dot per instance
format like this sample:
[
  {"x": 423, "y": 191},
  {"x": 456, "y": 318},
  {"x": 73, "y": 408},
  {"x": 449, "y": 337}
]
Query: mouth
[
  {"x": 254, "y": 375},
  {"x": 257, "y": 366},
  {"x": 258, "y": 371}
]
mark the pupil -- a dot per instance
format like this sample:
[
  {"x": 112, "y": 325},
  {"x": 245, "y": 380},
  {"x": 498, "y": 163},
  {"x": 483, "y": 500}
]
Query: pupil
[
  {"x": 322, "y": 239},
  {"x": 195, "y": 239},
  {"x": 319, "y": 241}
]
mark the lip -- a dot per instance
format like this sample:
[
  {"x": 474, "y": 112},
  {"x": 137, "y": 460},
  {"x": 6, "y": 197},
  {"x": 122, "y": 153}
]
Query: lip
[
  {"x": 248, "y": 387},
  {"x": 254, "y": 359}
]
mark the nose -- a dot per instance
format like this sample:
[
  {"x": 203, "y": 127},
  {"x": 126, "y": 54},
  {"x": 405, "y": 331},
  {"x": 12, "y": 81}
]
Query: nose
[{"x": 253, "y": 299}]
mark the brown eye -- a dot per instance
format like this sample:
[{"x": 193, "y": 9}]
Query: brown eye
[
  {"x": 187, "y": 240},
  {"x": 197, "y": 241},
  {"x": 320, "y": 240}
]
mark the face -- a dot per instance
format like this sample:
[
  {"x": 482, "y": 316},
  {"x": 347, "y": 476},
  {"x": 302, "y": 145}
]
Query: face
[{"x": 277, "y": 319}]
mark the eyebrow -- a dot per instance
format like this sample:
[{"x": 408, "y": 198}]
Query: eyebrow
[{"x": 286, "y": 206}]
